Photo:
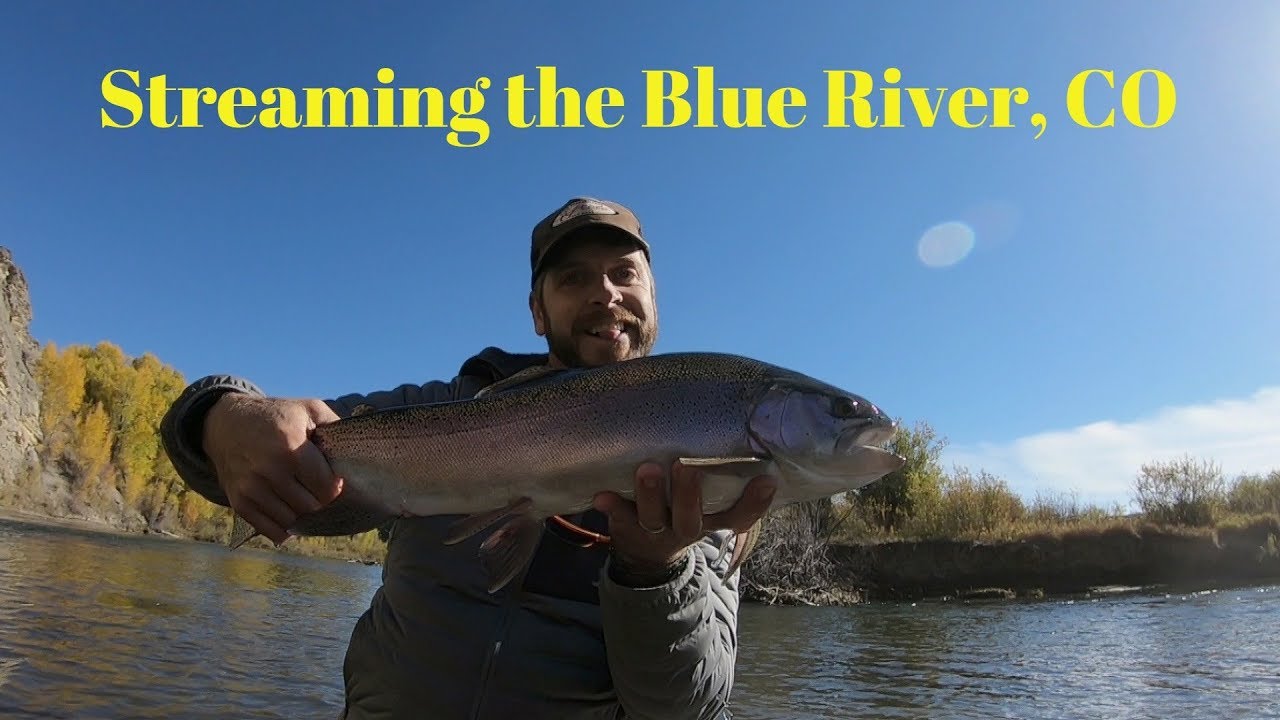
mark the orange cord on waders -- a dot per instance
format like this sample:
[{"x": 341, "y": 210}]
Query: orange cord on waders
[{"x": 593, "y": 538}]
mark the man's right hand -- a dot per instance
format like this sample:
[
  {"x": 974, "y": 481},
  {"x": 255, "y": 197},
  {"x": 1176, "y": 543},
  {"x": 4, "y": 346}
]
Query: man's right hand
[{"x": 265, "y": 461}]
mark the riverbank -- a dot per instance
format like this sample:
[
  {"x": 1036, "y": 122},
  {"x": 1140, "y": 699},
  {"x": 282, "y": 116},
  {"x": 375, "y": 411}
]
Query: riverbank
[
  {"x": 75, "y": 523},
  {"x": 343, "y": 549},
  {"x": 1082, "y": 562}
]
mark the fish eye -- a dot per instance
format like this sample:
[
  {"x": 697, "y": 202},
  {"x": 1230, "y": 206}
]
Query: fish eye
[{"x": 844, "y": 407}]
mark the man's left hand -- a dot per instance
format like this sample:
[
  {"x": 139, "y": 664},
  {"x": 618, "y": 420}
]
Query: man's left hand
[{"x": 650, "y": 537}]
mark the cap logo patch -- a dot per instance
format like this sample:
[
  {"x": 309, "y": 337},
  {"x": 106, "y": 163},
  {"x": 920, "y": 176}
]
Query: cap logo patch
[{"x": 582, "y": 207}]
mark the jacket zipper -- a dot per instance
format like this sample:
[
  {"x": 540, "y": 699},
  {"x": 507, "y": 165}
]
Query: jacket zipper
[{"x": 491, "y": 658}]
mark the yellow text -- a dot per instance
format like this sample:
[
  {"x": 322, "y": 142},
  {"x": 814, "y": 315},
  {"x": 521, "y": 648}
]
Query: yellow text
[
  {"x": 313, "y": 107},
  {"x": 739, "y": 107},
  {"x": 1130, "y": 98}
]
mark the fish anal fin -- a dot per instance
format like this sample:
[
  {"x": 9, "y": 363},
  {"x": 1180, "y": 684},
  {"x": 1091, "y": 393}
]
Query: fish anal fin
[
  {"x": 507, "y": 552},
  {"x": 472, "y": 524}
]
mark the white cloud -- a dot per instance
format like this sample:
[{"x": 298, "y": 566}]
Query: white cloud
[{"x": 1099, "y": 461}]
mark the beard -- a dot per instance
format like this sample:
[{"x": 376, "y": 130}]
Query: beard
[{"x": 575, "y": 347}]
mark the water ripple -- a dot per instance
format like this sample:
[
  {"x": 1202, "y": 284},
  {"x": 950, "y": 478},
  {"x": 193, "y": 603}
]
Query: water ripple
[
  {"x": 1198, "y": 654},
  {"x": 95, "y": 627}
]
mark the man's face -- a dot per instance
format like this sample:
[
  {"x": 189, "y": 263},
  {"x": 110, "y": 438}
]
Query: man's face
[{"x": 596, "y": 305}]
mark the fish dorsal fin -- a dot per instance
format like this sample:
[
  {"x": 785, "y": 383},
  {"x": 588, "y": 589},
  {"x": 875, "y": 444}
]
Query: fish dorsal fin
[
  {"x": 362, "y": 409},
  {"x": 529, "y": 373}
]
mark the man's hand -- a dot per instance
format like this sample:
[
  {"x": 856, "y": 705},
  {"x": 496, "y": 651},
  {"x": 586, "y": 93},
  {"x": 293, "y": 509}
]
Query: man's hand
[
  {"x": 649, "y": 538},
  {"x": 266, "y": 465}
]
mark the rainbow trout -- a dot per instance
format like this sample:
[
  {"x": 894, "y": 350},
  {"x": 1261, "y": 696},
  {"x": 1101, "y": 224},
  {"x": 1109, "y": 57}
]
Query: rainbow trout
[{"x": 544, "y": 442}]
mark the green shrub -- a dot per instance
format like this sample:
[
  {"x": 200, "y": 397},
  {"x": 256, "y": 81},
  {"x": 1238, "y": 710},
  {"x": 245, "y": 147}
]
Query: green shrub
[
  {"x": 912, "y": 489},
  {"x": 969, "y": 506}
]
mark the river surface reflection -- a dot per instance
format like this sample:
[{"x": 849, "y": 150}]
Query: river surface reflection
[{"x": 96, "y": 626}]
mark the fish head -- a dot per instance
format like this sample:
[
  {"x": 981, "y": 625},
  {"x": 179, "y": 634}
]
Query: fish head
[
  {"x": 822, "y": 435},
  {"x": 796, "y": 417}
]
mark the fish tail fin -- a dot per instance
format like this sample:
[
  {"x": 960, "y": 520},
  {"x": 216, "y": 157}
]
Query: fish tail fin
[
  {"x": 241, "y": 531},
  {"x": 743, "y": 546}
]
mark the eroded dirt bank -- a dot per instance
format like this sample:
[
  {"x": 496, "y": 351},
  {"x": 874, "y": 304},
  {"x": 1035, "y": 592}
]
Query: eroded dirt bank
[{"x": 1066, "y": 564}]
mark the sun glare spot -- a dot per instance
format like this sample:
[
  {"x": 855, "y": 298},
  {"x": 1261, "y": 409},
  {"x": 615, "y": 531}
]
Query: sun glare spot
[{"x": 945, "y": 244}]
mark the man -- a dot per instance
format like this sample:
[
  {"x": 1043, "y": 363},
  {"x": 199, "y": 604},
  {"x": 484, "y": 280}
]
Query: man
[{"x": 641, "y": 626}]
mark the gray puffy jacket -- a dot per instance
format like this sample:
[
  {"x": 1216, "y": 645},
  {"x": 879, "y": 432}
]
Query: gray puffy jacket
[{"x": 568, "y": 643}]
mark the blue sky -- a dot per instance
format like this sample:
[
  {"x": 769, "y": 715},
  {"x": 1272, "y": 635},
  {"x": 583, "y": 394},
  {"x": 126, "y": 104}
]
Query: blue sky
[{"x": 1121, "y": 282}]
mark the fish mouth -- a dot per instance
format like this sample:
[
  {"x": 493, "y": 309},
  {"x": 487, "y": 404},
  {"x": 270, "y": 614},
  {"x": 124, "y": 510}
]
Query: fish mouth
[
  {"x": 859, "y": 466},
  {"x": 872, "y": 432}
]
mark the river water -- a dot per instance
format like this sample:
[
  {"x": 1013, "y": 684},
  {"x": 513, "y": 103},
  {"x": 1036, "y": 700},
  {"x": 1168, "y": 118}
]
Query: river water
[{"x": 96, "y": 626}]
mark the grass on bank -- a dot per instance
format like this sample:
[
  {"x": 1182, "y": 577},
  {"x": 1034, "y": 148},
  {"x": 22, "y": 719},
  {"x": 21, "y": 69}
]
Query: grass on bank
[
  {"x": 983, "y": 508},
  {"x": 923, "y": 502}
]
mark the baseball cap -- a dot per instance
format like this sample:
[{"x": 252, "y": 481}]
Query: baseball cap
[{"x": 578, "y": 213}]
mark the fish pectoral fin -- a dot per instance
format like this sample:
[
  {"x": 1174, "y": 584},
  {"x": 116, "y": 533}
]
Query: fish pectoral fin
[
  {"x": 241, "y": 531},
  {"x": 507, "y": 552},
  {"x": 717, "y": 461},
  {"x": 472, "y": 524},
  {"x": 743, "y": 544}
]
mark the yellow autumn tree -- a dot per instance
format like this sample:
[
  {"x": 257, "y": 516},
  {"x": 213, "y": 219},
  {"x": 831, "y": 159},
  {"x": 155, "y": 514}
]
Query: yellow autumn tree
[
  {"x": 93, "y": 451},
  {"x": 106, "y": 376},
  {"x": 106, "y": 384},
  {"x": 147, "y": 388},
  {"x": 107, "y": 407},
  {"x": 62, "y": 383}
]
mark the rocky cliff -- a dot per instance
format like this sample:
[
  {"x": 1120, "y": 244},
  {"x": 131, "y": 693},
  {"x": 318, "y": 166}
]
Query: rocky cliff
[{"x": 19, "y": 391}]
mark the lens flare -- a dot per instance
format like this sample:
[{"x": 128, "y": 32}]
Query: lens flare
[{"x": 945, "y": 244}]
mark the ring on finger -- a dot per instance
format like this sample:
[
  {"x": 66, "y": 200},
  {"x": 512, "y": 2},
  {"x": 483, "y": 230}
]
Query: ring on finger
[{"x": 661, "y": 528}]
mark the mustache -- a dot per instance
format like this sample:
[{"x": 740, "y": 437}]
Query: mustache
[{"x": 628, "y": 319}]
